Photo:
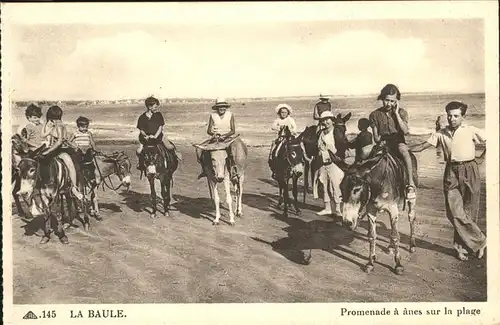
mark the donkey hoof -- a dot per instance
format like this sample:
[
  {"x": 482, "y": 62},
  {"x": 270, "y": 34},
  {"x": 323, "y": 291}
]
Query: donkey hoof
[
  {"x": 215, "y": 223},
  {"x": 152, "y": 215},
  {"x": 307, "y": 259},
  {"x": 399, "y": 270},
  {"x": 368, "y": 268},
  {"x": 166, "y": 214},
  {"x": 64, "y": 240},
  {"x": 390, "y": 250},
  {"x": 66, "y": 225},
  {"x": 86, "y": 227},
  {"x": 413, "y": 249},
  {"x": 44, "y": 240},
  {"x": 232, "y": 223},
  {"x": 239, "y": 214}
]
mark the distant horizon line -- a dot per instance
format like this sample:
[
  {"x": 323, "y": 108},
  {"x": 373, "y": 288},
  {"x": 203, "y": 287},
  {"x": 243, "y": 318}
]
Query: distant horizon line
[{"x": 254, "y": 97}]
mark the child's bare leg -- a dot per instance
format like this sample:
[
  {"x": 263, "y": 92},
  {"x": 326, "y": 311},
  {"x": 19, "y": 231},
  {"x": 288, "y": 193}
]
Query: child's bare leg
[
  {"x": 139, "y": 156},
  {"x": 405, "y": 153}
]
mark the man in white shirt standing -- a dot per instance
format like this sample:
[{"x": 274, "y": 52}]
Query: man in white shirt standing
[{"x": 462, "y": 182}]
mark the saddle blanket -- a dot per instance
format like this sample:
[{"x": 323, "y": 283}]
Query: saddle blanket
[{"x": 210, "y": 145}]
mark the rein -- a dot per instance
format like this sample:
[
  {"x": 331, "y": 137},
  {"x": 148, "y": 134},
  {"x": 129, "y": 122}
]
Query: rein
[{"x": 116, "y": 160}]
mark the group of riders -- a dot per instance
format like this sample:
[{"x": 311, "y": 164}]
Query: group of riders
[{"x": 388, "y": 124}]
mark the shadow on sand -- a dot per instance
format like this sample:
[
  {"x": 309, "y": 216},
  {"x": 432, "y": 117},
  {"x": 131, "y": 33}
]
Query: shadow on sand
[
  {"x": 268, "y": 202},
  {"x": 300, "y": 187},
  {"x": 303, "y": 237},
  {"x": 200, "y": 207}
]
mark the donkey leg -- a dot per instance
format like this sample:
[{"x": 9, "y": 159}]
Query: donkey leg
[
  {"x": 284, "y": 185},
  {"x": 153, "y": 196},
  {"x": 16, "y": 187},
  {"x": 412, "y": 215},
  {"x": 46, "y": 229},
  {"x": 60, "y": 229},
  {"x": 95, "y": 203},
  {"x": 69, "y": 216},
  {"x": 295, "y": 181},
  {"x": 64, "y": 214},
  {"x": 165, "y": 194},
  {"x": 229, "y": 199},
  {"x": 372, "y": 237},
  {"x": 216, "y": 202},
  {"x": 239, "y": 207},
  {"x": 394, "y": 215},
  {"x": 280, "y": 199},
  {"x": 85, "y": 210}
]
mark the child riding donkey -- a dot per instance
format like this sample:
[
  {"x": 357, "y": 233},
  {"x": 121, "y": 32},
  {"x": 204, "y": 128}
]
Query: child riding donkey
[
  {"x": 390, "y": 125},
  {"x": 83, "y": 140},
  {"x": 281, "y": 124},
  {"x": 150, "y": 125}
]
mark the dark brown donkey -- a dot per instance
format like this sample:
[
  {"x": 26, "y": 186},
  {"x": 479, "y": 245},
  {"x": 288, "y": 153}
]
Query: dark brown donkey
[
  {"x": 289, "y": 163},
  {"x": 160, "y": 164},
  {"x": 42, "y": 186},
  {"x": 378, "y": 184}
]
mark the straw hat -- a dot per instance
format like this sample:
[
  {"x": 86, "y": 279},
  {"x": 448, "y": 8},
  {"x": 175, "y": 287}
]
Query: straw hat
[
  {"x": 321, "y": 96},
  {"x": 220, "y": 102},
  {"x": 280, "y": 106},
  {"x": 325, "y": 115}
]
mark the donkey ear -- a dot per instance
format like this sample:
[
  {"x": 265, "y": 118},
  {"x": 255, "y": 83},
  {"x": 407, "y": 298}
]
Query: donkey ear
[{"x": 347, "y": 117}]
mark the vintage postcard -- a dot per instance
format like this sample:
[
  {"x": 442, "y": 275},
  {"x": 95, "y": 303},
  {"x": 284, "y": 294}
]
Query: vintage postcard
[{"x": 250, "y": 163}]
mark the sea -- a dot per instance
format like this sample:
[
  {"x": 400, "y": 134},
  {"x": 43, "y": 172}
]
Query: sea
[{"x": 186, "y": 123}]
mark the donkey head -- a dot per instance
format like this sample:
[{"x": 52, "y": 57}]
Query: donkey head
[
  {"x": 151, "y": 159},
  {"x": 355, "y": 190},
  {"x": 218, "y": 164},
  {"x": 28, "y": 170}
]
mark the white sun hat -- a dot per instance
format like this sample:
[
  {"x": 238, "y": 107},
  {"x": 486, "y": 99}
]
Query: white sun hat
[
  {"x": 326, "y": 114},
  {"x": 280, "y": 106},
  {"x": 321, "y": 96}
]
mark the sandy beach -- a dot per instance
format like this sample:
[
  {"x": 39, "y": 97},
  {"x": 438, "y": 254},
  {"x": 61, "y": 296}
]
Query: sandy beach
[{"x": 129, "y": 258}]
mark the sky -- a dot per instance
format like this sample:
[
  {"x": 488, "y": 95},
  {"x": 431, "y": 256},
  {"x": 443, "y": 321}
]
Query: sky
[{"x": 203, "y": 53}]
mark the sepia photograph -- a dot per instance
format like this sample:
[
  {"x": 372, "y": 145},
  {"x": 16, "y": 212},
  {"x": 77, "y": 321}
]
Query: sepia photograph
[{"x": 267, "y": 153}]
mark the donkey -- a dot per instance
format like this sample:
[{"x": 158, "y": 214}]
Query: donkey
[
  {"x": 160, "y": 164},
  {"x": 219, "y": 168},
  {"x": 19, "y": 149},
  {"x": 43, "y": 188},
  {"x": 97, "y": 167},
  {"x": 289, "y": 163},
  {"x": 377, "y": 184},
  {"x": 310, "y": 139}
]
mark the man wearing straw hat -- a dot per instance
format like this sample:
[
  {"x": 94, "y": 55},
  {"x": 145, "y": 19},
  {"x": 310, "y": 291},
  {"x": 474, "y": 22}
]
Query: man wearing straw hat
[
  {"x": 221, "y": 127},
  {"x": 322, "y": 106}
]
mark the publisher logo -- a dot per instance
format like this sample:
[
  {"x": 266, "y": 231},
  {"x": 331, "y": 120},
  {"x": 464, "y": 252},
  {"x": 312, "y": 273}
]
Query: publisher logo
[{"x": 30, "y": 315}]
